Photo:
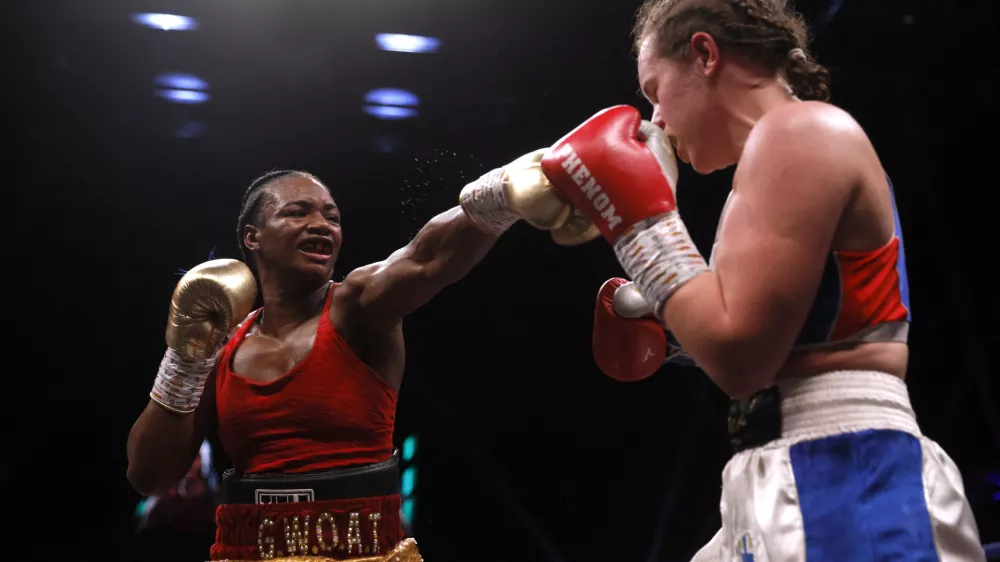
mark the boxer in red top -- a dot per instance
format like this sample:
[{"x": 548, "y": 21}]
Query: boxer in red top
[
  {"x": 303, "y": 391},
  {"x": 801, "y": 313}
]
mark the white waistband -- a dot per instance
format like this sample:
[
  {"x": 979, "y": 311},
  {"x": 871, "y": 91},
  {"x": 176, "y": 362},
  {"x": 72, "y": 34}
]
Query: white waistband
[{"x": 844, "y": 402}]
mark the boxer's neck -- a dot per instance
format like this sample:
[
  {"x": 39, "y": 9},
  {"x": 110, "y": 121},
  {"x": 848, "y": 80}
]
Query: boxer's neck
[
  {"x": 748, "y": 98},
  {"x": 285, "y": 309}
]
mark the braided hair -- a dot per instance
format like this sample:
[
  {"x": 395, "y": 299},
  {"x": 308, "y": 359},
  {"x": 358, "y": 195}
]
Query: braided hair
[
  {"x": 765, "y": 32},
  {"x": 254, "y": 199}
]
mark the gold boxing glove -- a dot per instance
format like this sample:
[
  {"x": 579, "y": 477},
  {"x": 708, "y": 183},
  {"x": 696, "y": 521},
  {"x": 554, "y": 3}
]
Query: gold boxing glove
[
  {"x": 209, "y": 301},
  {"x": 520, "y": 190},
  {"x": 530, "y": 193},
  {"x": 577, "y": 230}
]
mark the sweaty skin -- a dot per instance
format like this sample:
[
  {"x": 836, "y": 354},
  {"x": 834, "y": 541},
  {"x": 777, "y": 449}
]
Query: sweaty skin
[
  {"x": 807, "y": 181},
  {"x": 296, "y": 244}
]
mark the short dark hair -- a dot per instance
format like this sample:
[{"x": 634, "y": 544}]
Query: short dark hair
[
  {"x": 254, "y": 199},
  {"x": 765, "y": 32}
]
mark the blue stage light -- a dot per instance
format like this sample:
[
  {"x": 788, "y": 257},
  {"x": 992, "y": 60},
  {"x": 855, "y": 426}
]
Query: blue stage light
[
  {"x": 183, "y": 96},
  {"x": 406, "y": 511},
  {"x": 409, "y": 481},
  {"x": 166, "y": 22},
  {"x": 392, "y": 96},
  {"x": 180, "y": 81},
  {"x": 409, "y": 447},
  {"x": 191, "y": 130},
  {"x": 389, "y": 112},
  {"x": 401, "y": 43}
]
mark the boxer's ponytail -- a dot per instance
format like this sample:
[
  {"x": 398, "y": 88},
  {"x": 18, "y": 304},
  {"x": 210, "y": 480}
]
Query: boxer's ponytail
[
  {"x": 808, "y": 79},
  {"x": 765, "y": 32}
]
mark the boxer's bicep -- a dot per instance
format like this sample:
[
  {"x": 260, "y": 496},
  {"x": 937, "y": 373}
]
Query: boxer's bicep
[{"x": 790, "y": 191}]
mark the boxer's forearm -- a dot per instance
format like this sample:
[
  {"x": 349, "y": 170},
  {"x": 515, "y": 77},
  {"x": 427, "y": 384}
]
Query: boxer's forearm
[
  {"x": 448, "y": 247},
  {"x": 737, "y": 352},
  {"x": 444, "y": 251},
  {"x": 161, "y": 447}
]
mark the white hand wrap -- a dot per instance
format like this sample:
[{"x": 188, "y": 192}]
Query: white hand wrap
[
  {"x": 485, "y": 203},
  {"x": 180, "y": 382},
  {"x": 658, "y": 254}
]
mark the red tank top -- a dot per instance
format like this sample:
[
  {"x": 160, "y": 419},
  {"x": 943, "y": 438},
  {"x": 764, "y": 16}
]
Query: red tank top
[{"x": 331, "y": 410}]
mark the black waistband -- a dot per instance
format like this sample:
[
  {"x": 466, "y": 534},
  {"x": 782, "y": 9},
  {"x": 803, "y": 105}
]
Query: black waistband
[
  {"x": 755, "y": 421},
  {"x": 379, "y": 479}
]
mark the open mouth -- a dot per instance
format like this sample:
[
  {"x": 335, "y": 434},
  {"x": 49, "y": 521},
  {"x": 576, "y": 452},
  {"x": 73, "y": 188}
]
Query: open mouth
[{"x": 317, "y": 248}]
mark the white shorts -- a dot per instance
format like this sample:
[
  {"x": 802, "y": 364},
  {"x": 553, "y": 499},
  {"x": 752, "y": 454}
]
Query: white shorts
[{"x": 850, "y": 480}]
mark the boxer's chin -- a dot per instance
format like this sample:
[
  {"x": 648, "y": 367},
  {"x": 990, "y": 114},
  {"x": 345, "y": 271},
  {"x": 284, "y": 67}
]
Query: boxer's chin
[
  {"x": 313, "y": 270},
  {"x": 701, "y": 168},
  {"x": 705, "y": 164},
  {"x": 696, "y": 161}
]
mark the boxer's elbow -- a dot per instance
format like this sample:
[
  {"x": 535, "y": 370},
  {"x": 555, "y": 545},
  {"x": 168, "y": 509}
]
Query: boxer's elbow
[
  {"x": 152, "y": 468},
  {"x": 737, "y": 381},
  {"x": 740, "y": 363},
  {"x": 736, "y": 384},
  {"x": 141, "y": 481},
  {"x": 147, "y": 481}
]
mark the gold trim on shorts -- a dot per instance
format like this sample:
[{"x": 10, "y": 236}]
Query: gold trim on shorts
[{"x": 405, "y": 551}]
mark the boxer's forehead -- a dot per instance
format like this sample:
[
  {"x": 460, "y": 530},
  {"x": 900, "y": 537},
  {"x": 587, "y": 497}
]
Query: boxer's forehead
[
  {"x": 306, "y": 189},
  {"x": 646, "y": 65},
  {"x": 644, "y": 62}
]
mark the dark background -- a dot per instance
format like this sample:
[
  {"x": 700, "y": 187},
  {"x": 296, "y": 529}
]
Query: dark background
[{"x": 526, "y": 451}]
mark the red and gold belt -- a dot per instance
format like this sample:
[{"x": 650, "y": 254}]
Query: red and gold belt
[{"x": 365, "y": 529}]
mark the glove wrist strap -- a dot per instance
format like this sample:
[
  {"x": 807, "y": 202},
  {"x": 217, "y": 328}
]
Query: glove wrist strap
[
  {"x": 660, "y": 257},
  {"x": 180, "y": 382},
  {"x": 484, "y": 201}
]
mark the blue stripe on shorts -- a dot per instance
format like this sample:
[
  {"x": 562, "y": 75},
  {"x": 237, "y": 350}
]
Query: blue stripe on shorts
[{"x": 862, "y": 498}]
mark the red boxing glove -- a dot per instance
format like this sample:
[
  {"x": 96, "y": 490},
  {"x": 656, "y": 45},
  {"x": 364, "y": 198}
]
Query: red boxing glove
[
  {"x": 608, "y": 170},
  {"x": 625, "y": 349},
  {"x": 620, "y": 172}
]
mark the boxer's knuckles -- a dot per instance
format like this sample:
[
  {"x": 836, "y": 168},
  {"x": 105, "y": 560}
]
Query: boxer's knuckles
[
  {"x": 577, "y": 230},
  {"x": 207, "y": 303},
  {"x": 625, "y": 349},
  {"x": 530, "y": 193},
  {"x": 629, "y": 303}
]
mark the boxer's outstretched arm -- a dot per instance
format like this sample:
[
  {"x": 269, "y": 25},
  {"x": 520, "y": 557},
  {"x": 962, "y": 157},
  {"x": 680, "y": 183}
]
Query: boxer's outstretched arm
[
  {"x": 444, "y": 251},
  {"x": 794, "y": 181}
]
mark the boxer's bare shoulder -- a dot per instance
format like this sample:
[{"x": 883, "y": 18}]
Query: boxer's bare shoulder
[{"x": 803, "y": 135}]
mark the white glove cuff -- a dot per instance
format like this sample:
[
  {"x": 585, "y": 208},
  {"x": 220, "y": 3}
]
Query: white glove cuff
[
  {"x": 485, "y": 203},
  {"x": 629, "y": 303},
  {"x": 180, "y": 382},
  {"x": 659, "y": 255}
]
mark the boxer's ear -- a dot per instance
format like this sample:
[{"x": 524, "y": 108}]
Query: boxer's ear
[
  {"x": 705, "y": 52},
  {"x": 250, "y": 233}
]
